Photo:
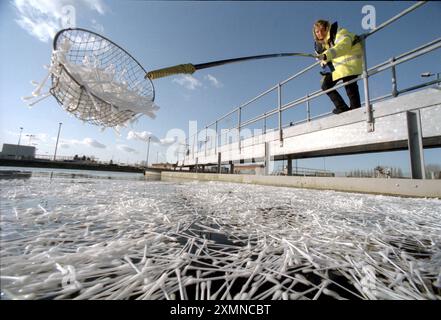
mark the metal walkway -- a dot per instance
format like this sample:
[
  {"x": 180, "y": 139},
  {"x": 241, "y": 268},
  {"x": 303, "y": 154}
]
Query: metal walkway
[
  {"x": 403, "y": 119},
  {"x": 340, "y": 134}
]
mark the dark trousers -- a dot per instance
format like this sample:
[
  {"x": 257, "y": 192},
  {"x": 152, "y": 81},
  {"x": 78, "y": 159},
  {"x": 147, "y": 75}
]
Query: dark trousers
[{"x": 351, "y": 90}]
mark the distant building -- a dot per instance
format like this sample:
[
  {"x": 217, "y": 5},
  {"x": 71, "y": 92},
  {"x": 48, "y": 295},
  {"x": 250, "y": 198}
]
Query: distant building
[{"x": 15, "y": 151}]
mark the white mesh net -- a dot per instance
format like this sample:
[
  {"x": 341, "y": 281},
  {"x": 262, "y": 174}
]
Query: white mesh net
[{"x": 96, "y": 80}]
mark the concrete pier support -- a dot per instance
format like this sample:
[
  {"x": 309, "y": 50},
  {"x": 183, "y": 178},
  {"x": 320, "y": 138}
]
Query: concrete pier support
[
  {"x": 415, "y": 142},
  {"x": 289, "y": 166},
  {"x": 219, "y": 162}
]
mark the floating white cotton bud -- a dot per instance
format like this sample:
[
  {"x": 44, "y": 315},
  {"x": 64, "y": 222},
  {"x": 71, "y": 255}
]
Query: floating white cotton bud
[{"x": 190, "y": 280}]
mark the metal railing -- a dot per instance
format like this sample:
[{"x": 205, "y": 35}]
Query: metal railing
[{"x": 191, "y": 150}]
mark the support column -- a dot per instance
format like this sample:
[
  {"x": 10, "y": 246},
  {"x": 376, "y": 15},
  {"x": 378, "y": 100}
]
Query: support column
[
  {"x": 289, "y": 173},
  {"x": 231, "y": 167},
  {"x": 415, "y": 143},
  {"x": 196, "y": 164},
  {"x": 219, "y": 162}
]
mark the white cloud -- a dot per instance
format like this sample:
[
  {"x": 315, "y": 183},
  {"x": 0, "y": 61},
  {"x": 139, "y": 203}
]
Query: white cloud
[
  {"x": 93, "y": 143},
  {"x": 125, "y": 148},
  {"x": 142, "y": 136},
  {"x": 43, "y": 18},
  {"x": 189, "y": 82},
  {"x": 215, "y": 83},
  {"x": 96, "y": 5},
  {"x": 64, "y": 145},
  {"x": 89, "y": 142},
  {"x": 42, "y": 137}
]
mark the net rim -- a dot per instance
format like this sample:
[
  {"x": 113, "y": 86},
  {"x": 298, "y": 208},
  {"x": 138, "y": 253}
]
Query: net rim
[{"x": 54, "y": 45}]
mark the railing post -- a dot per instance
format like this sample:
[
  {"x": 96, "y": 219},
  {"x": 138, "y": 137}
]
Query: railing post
[
  {"x": 394, "y": 79},
  {"x": 267, "y": 159},
  {"x": 217, "y": 138},
  {"x": 264, "y": 124},
  {"x": 238, "y": 126},
  {"x": 279, "y": 105},
  {"x": 206, "y": 140},
  {"x": 370, "y": 119},
  {"x": 308, "y": 111}
]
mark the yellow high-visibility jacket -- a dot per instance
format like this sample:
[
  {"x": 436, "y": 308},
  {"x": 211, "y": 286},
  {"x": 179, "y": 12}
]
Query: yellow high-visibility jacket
[{"x": 346, "y": 57}]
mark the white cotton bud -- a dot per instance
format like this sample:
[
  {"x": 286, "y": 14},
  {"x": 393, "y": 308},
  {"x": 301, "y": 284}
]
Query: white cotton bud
[
  {"x": 189, "y": 281},
  {"x": 276, "y": 294}
]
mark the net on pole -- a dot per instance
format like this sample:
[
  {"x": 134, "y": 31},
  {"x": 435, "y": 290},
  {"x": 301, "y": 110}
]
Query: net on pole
[{"x": 97, "y": 81}]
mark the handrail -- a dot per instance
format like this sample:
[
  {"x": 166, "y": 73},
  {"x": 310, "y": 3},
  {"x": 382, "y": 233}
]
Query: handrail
[
  {"x": 390, "y": 63},
  {"x": 409, "y": 52},
  {"x": 383, "y": 66},
  {"x": 401, "y": 14}
]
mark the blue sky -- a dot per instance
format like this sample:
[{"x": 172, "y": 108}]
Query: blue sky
[{"x": 160, "y": 34}]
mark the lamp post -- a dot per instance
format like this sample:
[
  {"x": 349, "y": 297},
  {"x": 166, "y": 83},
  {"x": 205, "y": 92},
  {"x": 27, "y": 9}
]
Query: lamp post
[
  {"x": 30, "y": 138},
  {"x": 19, "y": 138},
  {"x": 148, "y": 150},
  {"x": 58, "y": 136}
]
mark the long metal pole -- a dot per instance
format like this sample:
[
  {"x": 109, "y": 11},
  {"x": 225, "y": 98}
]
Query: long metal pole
[
  {"x": 58, "y": 137},
  {"x": 217, "y": 138},
  {"x": 19, "y": 138},
  {"x": 30, "y": 138},
  {"x": 206, "y": 140},
  {"x": 148, "y": 150},
  {"x": 238, "y": 125}
]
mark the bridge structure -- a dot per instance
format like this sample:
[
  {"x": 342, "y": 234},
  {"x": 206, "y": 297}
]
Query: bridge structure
[{"x": 405, "y": 119}]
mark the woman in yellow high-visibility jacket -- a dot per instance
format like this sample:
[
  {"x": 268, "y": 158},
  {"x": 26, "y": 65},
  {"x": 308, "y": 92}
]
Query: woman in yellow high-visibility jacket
[{"x": 341, "y": 51}]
